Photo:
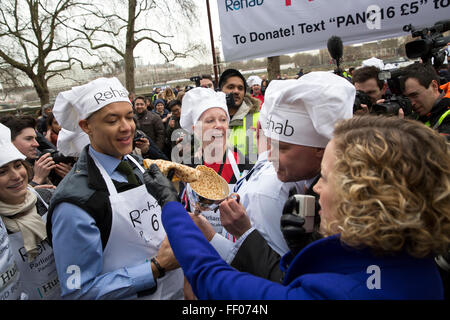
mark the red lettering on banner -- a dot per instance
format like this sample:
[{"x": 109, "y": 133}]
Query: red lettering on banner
[{"x": 289, "y": 2}]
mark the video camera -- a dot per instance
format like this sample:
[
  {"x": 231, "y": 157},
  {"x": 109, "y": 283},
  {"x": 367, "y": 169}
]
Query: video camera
[
  {"x": 230, "y": 101},
  {"x": 361, "y": 98},
  {"x": 397, "y": 100},
  {"x": 138, "y": 135},
  {"x": 392, "y": 105},
  {"x": 430, "y": 44},
  {"x": 58, "y": 157},
  {"x": 196, "y": 79}
]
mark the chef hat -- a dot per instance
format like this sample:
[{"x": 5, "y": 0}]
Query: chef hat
[
  {"x": 254, "y": 80},
  {"x": 304, "y": 111},
  {"x": 373, "y": 62},
  {"x": 82, "y": 101},
  {"x": 9, "y": 151},
  {"x": 71, "y": 143},
  {"x": 197, "y": 101}
]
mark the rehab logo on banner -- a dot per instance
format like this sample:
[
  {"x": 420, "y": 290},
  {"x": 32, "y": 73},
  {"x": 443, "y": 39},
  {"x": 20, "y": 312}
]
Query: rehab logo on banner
[{"x": 235, "y": 5}]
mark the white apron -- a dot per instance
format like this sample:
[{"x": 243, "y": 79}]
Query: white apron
[
  {"x": 213, "y": 217},
  {"x": 9, "y": 271},
  {"x": 38, "y": 278},
  {"x": 136, "y": 235}
]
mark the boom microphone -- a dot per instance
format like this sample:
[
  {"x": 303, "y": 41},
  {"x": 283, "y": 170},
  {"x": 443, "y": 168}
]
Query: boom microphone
[{"x": 335, "y": 48}]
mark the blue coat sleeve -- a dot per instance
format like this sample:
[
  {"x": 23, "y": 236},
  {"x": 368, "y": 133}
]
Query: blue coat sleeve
[
  {"x": 77, "y": 243},
  {"x": 209, "y": 275}
]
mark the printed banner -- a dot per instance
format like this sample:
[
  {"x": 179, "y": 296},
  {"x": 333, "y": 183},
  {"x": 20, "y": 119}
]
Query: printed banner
[{"x": 263, "y": 28}]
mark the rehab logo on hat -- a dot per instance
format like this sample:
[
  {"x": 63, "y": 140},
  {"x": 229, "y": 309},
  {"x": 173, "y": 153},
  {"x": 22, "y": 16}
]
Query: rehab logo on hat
[
  {"x": 82, "y": 101},
  {"x": 304, "y": 111},
  {"x": 104, "y": 96},
  {"x": 280, "y": 128}
]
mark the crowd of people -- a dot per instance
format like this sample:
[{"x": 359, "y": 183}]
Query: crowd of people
[{"x": 82, "y": 218}]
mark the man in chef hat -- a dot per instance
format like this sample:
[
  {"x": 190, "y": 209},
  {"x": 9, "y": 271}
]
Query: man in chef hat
[
  {"x": 298, "y": 117},
  {"x": 104, "y": 226}
]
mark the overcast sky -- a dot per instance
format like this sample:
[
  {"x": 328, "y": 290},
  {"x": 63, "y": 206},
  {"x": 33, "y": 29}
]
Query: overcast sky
[{"x": 199, "y": 32}]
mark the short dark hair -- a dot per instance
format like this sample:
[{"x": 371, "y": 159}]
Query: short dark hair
[
  {"x": 206, "y": 76},
  {"x": 140, "y": 97},
  {"x": 174, "y": 103},
  {"x": 17, "y": 124},
  {"x": 424, "y": 74},
  {"x": 231, "y": 73},
  {"x": 365, "y": 73}
]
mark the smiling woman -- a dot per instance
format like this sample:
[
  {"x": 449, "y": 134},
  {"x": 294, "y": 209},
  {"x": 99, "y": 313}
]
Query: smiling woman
[
  {"x": 204, "y": 114},
  {"x": 26, "y": 229},
  {"x": 14, "y": 178}
]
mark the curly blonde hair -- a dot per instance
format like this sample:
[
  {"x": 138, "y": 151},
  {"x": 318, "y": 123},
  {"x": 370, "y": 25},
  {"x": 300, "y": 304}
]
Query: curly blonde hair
[{"x": 392, "y": 186}]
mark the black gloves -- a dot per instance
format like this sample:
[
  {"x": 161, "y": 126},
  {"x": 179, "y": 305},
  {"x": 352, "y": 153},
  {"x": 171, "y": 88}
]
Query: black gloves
[
  {"x": 159, "y": 186},
  {"x": 292, "y": 227}
]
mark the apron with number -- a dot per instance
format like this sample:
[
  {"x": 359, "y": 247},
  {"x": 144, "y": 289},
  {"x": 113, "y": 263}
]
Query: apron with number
[
  {"x": 136, "y": 235},
  {"x": 38, "y": 278},
  {"x": 9, "y": 271},
  {"x": 213, "y": 217}
]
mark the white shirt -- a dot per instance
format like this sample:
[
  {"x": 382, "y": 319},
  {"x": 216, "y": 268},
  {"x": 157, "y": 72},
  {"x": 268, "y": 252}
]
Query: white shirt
[{"x": 263, "y": 196}]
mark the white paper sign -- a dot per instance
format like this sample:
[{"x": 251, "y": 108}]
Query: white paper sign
[{"x": 262, "y": 28}]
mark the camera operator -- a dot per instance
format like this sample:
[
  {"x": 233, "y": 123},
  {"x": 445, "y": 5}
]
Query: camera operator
[
  {"x": 23, "y": 136},
  {"x": 149, "y": 122},
  {"x": 206, "y": 81},
  {"x": 366, "y": 80},
  {"x": 421, "y": 86}
]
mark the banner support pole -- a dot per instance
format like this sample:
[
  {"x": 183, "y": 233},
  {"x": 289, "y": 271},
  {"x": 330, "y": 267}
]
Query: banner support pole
[{"x": 216, "y": 77}]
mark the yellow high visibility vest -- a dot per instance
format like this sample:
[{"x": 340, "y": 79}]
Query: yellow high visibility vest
[
  {"x": 437, "y": 124},
  {"x": 238, "y": 136}
]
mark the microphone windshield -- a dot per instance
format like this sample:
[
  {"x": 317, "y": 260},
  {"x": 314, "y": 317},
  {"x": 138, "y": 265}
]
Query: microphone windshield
[{"x": 335, "y": 47}]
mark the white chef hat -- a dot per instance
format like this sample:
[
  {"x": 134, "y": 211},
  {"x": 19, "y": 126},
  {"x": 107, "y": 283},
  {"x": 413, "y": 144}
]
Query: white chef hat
[
  {"x": 71, "y": 143},
  {"x": 198, "y": 100},
  {"x": 373, "y": 62},
  {"x": 9, "y": 151},
  {"x": 254, "y": 80},
  {"x": 304, "y": 111},
  {"x": 82, "y": 101}
]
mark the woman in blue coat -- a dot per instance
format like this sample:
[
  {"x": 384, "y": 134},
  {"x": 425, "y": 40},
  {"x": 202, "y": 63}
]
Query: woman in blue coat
[{"x": 385, "y": 213}]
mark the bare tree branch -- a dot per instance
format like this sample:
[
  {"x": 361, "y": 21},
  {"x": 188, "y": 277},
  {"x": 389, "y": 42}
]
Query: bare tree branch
[{"x": 37, "y": 41}]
